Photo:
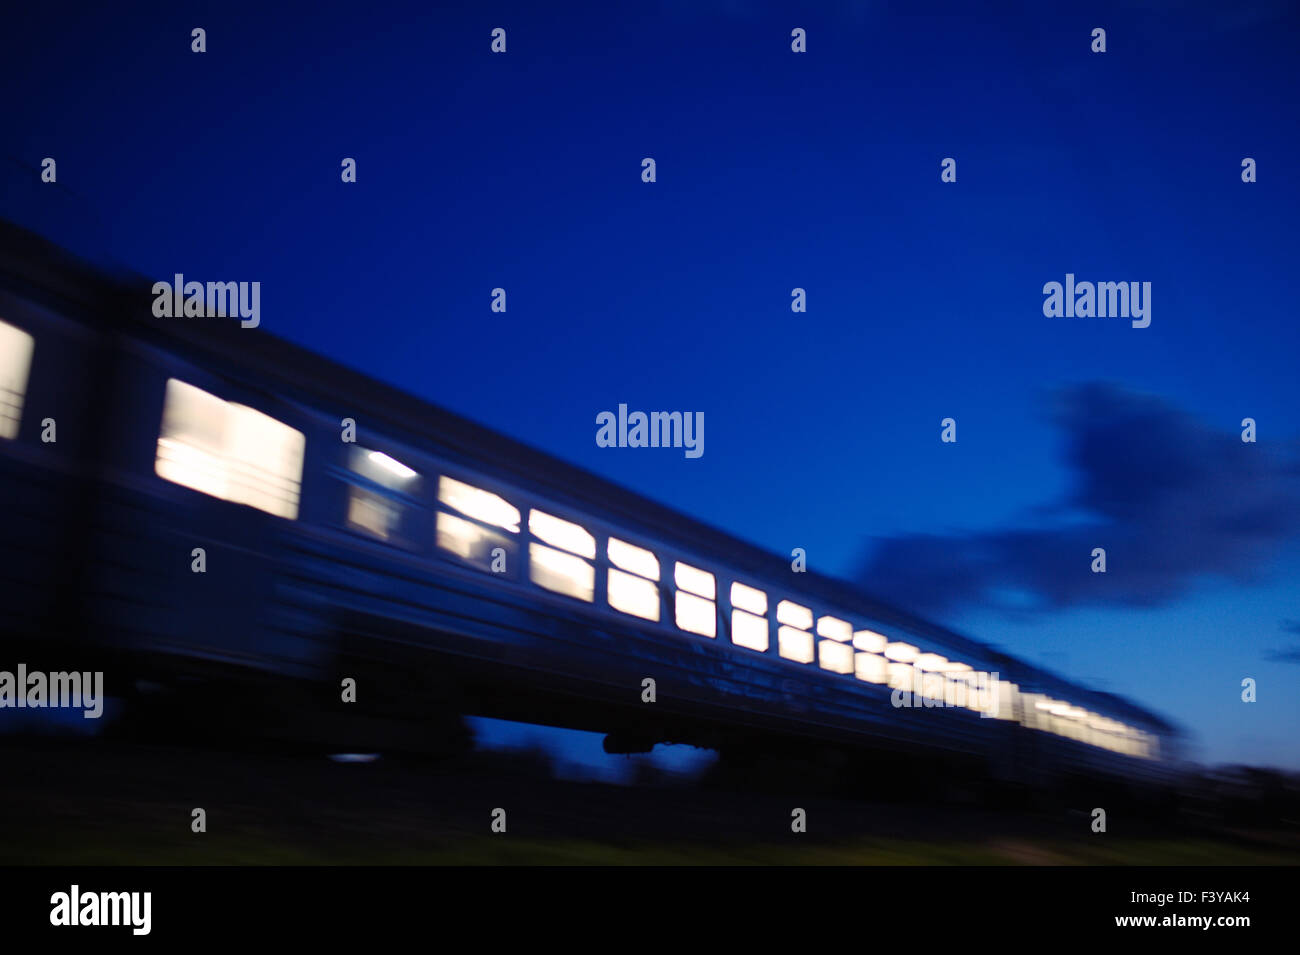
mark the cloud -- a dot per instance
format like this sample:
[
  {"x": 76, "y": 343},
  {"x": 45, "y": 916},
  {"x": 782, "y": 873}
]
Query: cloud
[
  {"x": 1290, "y": 654},
  {"x": 1171, "y": 499}
]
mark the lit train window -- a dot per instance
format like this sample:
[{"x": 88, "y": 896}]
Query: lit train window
[
  {"x": 230, "y": 451},
  {"x": 479, "y": 541},
  {"x": 933, "y": 681},
  {"x": 955, "y": 686},
  {"x": 748, "y": 630},
  {"x": 794, "y": 644},
  {"x": 372, "y": 513},
  {"x": 793, "y": 641},
  {"x": 15, "y": 365},
  {"x": 695, "y": 610},
  {"x": 869, "y": 641},
  {"x": 1035, "y": 712},
  {"x": 1088, "y": 725},
  {"x": 958, "y": 692},
  {"x": 748, "y": 598},
  {"x": 479, "y": 545},
  {"x": 375, "y": 494},
  {"x": 871, "y": 667},
  {"x": 793, "y": 614},
  {"x": 748, "y": 625},
  {"x": 384, "y": 470},
  {"x": 979, "y": 693},
  {"x": 901, "y": 652},
  {"x": 479, "y": 504},
  {"x": 629, "y": 557},
  {"x": 1046, "y": 715},
  {"x": 834, "y": 656},
  {"x": 1029, "y": 709},
  {"x": 902, "y": 676},
  {"x": 1003, "y": 705},
  {"x": 634, "y": 589},
  {"x": 561, "y": 533},
  {"x": 561, "y": 568},
  {"x": 835, "y": 628}
]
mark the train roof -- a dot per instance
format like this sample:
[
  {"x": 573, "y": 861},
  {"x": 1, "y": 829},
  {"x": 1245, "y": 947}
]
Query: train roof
[{"x": 50, "y": 275}]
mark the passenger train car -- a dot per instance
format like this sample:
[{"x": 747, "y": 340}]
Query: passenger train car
[{"x": 211, "y": 513}]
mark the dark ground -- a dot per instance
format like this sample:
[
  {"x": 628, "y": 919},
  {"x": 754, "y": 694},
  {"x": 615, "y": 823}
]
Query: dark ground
[{"x": 109, "y": 802}]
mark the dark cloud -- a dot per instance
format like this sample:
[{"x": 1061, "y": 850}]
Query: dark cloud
[{"x": 1171, "y": 499}]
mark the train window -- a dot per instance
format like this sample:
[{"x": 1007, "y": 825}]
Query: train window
[
  {"x": 835, "y": 628},
  {"x": 932, "y": 685},
  {"x": 978, "y": 695},
  {"x": 376, "y": 515},
  {"x": 378, "y": 488},
  {"x": 695, "y": 610},
  {"x": 633, "y": 595},
  {"x": 1004, "y": 706},
  {"x": 384, "y": 470},
  {"x": 1115, "y": 731},
  {"x": 957, "y": 689},
  {"x": 563, "y": 573},
  {"x": 748, "y": 625},
  {"x": 834, "y": 656},
  {"x": 795, "y": 644},
  {"x": 482, "y": 546},
  {"x": 636, "y": 560},
  {"x": 1087, "y": 732},
  {"x": 479, "y": 504},
  {"x": 901, "y": 652},
  {"x": 901, "y": 676},
  {"x": 748, "y": 598},
  {"x": 229, "y": 451},
  {"x": 15, "y": 365},
  {"x": 749, "y": 630},
  {"x": 634, "y": 589},
  {"x": 561, "y": 533},
  {"x": 1105, "y": 735},
  {"x": 793, "y": 614},
  {"x": 871, "y": 667},
  {"x": 954, "y": 690},
  {"x": 561, "y": 570},
  {"x": 869, "y": 641},
  {"x": 1029, "y": 709},
  {"x": 793, "y": 640},
  {"x": 931, "y": 666},
  {"x": 480, "y": 540}
]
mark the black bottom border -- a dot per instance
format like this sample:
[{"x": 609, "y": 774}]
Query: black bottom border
[{"x": 935, "y": 905}]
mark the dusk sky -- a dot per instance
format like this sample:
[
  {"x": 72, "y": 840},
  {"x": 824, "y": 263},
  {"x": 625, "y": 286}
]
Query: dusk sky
[{"x": 776, "y": 170}]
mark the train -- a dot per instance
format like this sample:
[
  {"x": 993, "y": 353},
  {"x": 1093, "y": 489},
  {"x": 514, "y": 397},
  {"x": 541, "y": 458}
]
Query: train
[{"x": 212, "y": 514}]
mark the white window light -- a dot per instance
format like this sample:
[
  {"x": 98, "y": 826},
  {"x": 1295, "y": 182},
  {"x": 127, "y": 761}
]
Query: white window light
[
  {"x": 794, "y": 615},
  {"x": 869, "y": 641},
  {"x": 392, "y": 465},
  {"x": 835, "y": 628},
  {"x": 561, "y": 533},
  {"x": 479, "y": 504},
  {"x": 629, "y": 557},
  {"x": 748, "y": 598}
]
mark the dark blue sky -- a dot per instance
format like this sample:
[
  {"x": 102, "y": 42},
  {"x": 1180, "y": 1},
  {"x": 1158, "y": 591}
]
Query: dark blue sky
[{"x": 775, "y": 170}]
